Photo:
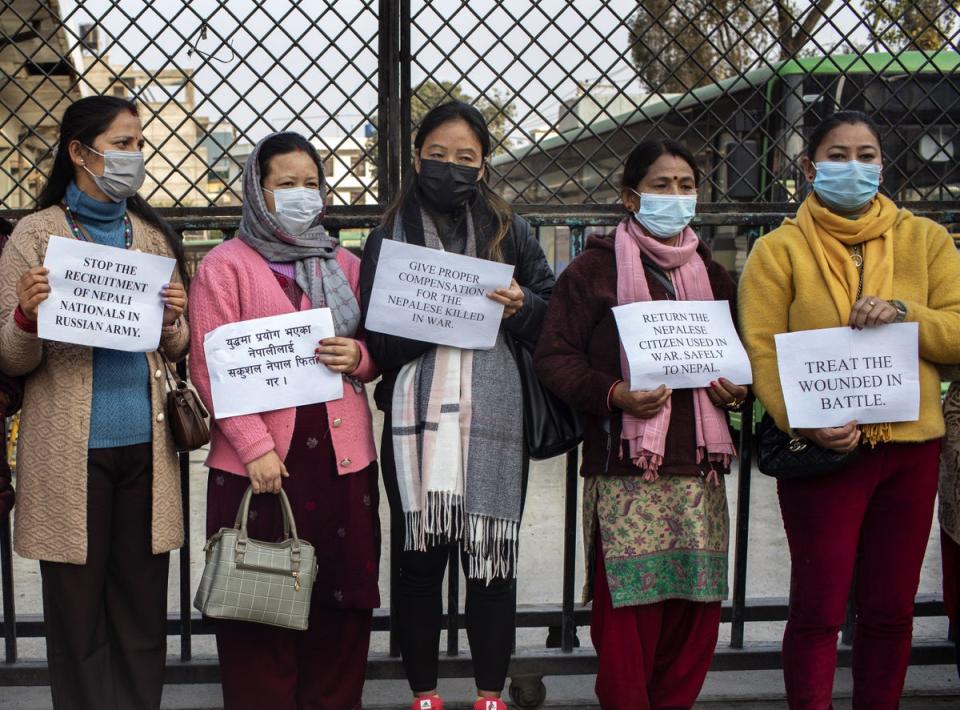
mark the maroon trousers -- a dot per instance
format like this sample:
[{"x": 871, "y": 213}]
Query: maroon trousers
[
  {"x": 652, "y": 655},
  {"x": 323, "y": 667},
  {"x": 867, "y": 524}
]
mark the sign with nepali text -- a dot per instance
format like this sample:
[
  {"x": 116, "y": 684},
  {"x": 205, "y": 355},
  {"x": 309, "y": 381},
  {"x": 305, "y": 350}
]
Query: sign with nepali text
[
  {"x": 681, "y": 344},
  {"x": 103, "y": 296},
  {"x": 436, "y": 297},
  {"x": 833, "y": 376},
  {"x": 270, "y": 363}
]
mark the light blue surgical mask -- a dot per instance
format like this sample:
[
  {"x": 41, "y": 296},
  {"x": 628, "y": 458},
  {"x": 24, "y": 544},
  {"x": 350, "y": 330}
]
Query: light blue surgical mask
[
  {"x": 848, "y": 185},
  {"x": 297, "y": 208},
  {"x": 665, "y": 216}
]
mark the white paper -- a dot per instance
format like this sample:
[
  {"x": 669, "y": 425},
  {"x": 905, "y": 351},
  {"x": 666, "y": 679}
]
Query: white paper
[
  {"x": 436, "y": 297},
  {"x": 270, "y": 363},
  {"x": 681, "y": 344},
  {"x": 103, "y": 296},
  {"x": 833, "y": 376}
]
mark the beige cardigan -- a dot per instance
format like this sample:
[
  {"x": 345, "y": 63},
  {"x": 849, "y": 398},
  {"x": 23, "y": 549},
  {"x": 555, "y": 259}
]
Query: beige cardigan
[{"x": 51, "y": 512}]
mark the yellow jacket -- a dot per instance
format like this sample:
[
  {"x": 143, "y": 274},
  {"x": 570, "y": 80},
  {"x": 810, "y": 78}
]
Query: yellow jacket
[{"x": 782, "y": 290}]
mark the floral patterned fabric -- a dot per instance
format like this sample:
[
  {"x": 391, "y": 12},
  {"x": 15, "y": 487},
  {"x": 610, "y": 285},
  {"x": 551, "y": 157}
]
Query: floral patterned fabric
[
  {"x": 665, "y": 539},
  {"x": 949, "y": 489}
]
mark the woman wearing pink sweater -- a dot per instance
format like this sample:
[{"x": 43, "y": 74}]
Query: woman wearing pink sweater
[{"x": 322, "y": 455}]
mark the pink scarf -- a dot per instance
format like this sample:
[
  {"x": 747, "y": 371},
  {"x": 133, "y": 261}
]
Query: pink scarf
[{"x": 647, "y": 438}]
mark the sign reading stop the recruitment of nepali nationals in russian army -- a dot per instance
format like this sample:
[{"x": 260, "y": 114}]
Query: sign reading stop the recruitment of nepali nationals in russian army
[
  {"x": 103, "y": 296},
  {"x": 833, "y": 376},
  {"x": 681, "y": 344},
  {"x": 436, "y": 297},
  {"x": 270, "y": 363}
]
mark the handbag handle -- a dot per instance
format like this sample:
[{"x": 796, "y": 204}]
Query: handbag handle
[
  {"x": 175, "y": 382},
  {"x": 289, "y": 527}
]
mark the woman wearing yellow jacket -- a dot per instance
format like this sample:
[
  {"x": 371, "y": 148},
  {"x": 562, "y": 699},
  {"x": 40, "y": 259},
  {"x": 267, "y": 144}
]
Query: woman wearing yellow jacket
[{"x": 852, "y": 257}]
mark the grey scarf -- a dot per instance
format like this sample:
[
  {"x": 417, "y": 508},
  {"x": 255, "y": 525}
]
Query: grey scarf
[{"x": 315, "y": 252}]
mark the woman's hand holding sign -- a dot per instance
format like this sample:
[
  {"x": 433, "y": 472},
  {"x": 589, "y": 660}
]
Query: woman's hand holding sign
[
  {"x": 339, "y": 354},
  {"x": 174, "y": 297},
  {"x": 871, "y": 311},
  {"x": 723, "y": 393},
  {"x": 511, "y": 298},
  {"x": 33, "y": 288}
]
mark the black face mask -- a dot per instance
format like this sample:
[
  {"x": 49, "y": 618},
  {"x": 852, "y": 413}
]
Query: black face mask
[{"x": 446, "y": 186}]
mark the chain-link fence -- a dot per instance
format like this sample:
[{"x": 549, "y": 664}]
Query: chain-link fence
[{"x": 568, "y": 88}]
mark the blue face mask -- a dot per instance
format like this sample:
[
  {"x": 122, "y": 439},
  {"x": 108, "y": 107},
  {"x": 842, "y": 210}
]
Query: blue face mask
[
  {"x": 846, "y": 185},
  {"x": 665, "y": 216}
]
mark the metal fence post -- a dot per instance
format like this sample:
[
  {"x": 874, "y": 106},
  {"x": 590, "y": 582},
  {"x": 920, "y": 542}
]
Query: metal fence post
[{"x": 743, "y": 526}]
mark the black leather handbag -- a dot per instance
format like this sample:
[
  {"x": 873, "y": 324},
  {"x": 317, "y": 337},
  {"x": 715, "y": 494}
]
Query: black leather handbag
[
  {"x": 550, "y": 426},
  {"x": 783, "y": 456}
]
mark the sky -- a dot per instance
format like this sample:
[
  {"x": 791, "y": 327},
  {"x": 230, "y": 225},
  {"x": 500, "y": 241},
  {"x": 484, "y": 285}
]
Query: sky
[{"x": 321, "y": 57}]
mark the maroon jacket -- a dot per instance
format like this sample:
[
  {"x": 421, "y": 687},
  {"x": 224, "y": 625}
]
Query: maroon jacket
[
  {"x": 578, "y": 357},
  {"x": 12, "y": 387}
]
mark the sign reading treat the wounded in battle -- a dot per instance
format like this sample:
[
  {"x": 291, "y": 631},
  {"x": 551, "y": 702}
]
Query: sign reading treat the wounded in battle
[
  {"x": 270, "y": 363},
  {"x": 436, "y": 297},
  {"x": 833, "y": 376},
  {"x": 681, "y": 344},
  {"x": 103, "y": 296}
]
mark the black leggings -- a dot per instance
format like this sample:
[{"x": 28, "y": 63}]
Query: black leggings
[{"x": 418, "y": 602}]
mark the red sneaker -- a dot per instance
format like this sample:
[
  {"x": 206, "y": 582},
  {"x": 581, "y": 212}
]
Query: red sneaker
[
  {"x": 434, "y": 702},
  {"x": 489, "y": 704}
]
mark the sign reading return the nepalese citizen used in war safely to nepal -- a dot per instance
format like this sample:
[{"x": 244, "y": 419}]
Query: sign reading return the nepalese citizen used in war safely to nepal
[
  {"x": 833, "y": 376},
  {"x": 681, "y": 344},
  {"x": 103, "y": 296},
  {"x": 270, "y": 363},
  {"x": 436, "y": 297}
]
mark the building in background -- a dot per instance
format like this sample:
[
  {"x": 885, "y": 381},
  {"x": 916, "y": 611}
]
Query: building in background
[{"x": 37, "y": 82}]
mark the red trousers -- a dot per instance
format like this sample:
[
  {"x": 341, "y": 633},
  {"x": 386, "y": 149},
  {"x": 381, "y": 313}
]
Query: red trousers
[
  {"x": 268, "y": 668},
  {"x": 651, "y": 655},
  {"x": 867, "y": 523}
]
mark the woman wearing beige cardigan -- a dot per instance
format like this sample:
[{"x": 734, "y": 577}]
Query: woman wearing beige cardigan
[{"x": 98, "y": 482}]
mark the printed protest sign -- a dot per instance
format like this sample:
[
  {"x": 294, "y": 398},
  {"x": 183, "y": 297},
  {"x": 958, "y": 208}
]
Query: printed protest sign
[
  {"x": 681, "y": 344},
  {"x": 436, "y": 297},
  {"x": 270, "y": 363},
  {"x": 103, "y": 296},
  {"x": 837, "y": 375}
]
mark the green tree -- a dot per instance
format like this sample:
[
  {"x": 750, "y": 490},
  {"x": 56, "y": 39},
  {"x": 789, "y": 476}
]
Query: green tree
[
  {"x": 678, "y": 45},
  {"x": 911, "y": 24}
]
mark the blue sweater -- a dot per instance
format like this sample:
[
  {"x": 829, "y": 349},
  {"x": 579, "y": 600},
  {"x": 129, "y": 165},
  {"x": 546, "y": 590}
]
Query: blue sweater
[{"x": 120, "y": 412}]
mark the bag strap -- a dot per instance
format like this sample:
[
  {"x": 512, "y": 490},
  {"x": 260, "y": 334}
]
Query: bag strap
[
  {"x": 661, "y": 276},
  {"x": 289, "y": 528}
]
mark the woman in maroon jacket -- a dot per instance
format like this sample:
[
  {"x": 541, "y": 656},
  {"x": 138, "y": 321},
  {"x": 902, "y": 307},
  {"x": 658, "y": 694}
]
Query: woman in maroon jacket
[{"x": 655, "y": 509}]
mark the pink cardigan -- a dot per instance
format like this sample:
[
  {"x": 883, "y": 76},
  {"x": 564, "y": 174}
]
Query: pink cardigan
[{"x": 235, "y": 283}]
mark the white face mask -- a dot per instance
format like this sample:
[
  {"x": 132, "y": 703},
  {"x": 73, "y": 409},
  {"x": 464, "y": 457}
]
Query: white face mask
[
  {"x": 123, "y": 173},
  {"x": 665, "y": 216},
  {"x": 296, "y": 208}
]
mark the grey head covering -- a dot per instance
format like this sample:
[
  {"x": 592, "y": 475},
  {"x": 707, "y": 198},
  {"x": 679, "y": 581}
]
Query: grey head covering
[{"x": 315, "y": 252}]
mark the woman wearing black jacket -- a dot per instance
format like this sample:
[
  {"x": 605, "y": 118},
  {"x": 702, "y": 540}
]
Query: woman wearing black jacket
[{"x": 471, "y": 497}]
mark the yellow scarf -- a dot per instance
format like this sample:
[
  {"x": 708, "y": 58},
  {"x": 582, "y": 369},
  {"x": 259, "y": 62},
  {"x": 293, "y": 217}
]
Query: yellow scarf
[{"x": 830, "y": 237}]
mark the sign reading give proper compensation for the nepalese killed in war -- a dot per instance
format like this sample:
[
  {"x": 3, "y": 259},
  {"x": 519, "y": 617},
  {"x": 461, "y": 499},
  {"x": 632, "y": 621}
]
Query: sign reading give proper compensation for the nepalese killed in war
[
  {"x": 436, "y": 297},
  {"x": 103, "y": 296}
]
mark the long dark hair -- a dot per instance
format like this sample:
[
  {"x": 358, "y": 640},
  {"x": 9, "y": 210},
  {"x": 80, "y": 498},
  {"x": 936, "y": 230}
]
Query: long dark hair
[
  {"x": 647, "y": 153},
  {"x": 838, "y": 119},
  {"x": 83, "y": 121},
  {"x": 496, "y": 205},
  {"x": 283, "y": 143}
]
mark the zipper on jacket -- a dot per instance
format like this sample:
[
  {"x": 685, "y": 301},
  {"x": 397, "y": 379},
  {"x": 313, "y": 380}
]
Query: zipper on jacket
[{"x": 606, "y": 428}]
